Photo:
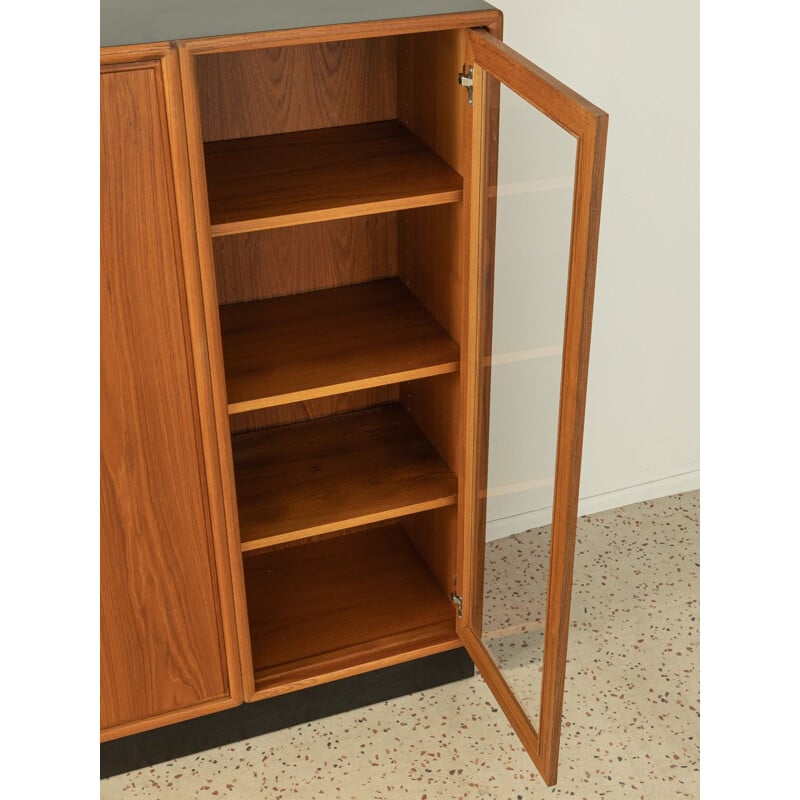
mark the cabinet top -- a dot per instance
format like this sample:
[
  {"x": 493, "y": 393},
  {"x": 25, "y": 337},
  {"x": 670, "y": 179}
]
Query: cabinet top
[{"x": 123, "y": 22}]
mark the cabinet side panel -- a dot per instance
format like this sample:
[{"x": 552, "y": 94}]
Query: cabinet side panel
[
  {"x": 162, "y": 646},
  {"x": 433, "y": 534},
  {"x": 430, "y": 101},
  {"x": 432, "y": 261},
  {"x": 433, "y": 264},
  {"x": 283, "y": 89}
]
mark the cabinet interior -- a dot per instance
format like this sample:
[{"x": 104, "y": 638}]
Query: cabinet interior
[{"x": 336, "y": 199}]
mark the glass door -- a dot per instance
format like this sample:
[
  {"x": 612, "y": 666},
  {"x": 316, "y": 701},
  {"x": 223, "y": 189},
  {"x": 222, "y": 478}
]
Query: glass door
[{"x": 533, "y": 253}]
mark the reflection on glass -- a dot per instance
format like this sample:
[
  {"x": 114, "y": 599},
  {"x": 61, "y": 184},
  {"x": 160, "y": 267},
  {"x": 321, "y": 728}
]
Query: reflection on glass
[{"x": 534, "y": 210}]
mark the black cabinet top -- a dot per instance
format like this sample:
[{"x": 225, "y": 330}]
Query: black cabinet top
[{"x": 141, "y": 21}]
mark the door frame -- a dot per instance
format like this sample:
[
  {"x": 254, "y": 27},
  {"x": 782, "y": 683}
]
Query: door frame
[{"x": 588, "y": 124}]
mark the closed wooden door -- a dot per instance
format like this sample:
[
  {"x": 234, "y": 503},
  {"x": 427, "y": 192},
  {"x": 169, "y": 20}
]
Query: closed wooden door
[{"x": 166, "y": 631}]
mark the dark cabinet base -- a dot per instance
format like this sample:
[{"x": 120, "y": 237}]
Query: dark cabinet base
[{"x": 253, "y": 719}]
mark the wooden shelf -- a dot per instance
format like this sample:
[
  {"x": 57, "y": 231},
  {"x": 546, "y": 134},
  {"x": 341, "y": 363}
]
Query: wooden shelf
[
  {"x": 292, "y": 178},
  {"x": 301, "y": 480},
  {"x": 295, "y": 348},
  {"x": 339, "y": 606}
]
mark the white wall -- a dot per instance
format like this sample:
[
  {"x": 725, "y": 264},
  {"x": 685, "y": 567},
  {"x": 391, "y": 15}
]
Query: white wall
[{"x": 638, "y": 61}]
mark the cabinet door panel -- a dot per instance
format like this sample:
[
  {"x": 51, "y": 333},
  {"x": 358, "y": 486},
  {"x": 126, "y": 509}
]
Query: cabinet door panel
[
  {"x": 163, "y": 654},
  {"x": 533, "y": 282}
]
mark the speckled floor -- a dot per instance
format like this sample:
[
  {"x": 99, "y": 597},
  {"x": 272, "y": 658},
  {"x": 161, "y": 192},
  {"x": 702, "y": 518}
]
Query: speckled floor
[{"x": 631, "y": 713}]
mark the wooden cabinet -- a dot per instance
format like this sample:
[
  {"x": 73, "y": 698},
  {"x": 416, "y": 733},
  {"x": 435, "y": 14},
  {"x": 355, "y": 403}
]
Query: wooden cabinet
[
  {"x": 165, "y": 651},
  {"x": 297, "y": 347}
]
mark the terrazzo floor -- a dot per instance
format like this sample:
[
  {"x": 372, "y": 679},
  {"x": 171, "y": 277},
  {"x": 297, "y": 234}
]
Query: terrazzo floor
[{"x": 631, "y": 704}]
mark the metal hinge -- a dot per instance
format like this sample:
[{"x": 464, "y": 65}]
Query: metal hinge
[
  {"x": 456, "y": 598},
  {"x": 465, "y": 79}
]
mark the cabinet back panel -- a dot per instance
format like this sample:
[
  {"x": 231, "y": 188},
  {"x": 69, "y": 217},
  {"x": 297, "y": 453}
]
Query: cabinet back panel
[
  {"x": 304, "y": 258},
  {"x": 283, "y": 89}
]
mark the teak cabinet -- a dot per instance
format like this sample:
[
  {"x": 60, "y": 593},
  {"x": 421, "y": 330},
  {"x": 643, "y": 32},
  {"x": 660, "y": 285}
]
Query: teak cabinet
[{"x": 296, "y": 292}]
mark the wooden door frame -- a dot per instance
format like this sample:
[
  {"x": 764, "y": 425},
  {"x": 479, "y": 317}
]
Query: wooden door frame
[
  {"x": 164, "y": 60},
  {"x": 589, "y": 125}
]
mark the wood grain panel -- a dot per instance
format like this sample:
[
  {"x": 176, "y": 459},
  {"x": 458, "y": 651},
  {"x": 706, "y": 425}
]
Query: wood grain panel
[
  {"x": 294, "y": 348},
  {"x": 431, "y": 103},
  {"x": 489, "y": 18},
  {"x": 338, "y": 472},
  {"x": 285, "y": 89},
  {"x": 162, "y": 644},
  {"x": 314, "y": 409},
  {"x": 557, "y": 101},
  {"x": 305, "y": 258},
  {"x": 305, "y": 628},
  {"x": 194, "y": 140},
  {"x": 434, "y": 536},
  {"x": 293, "y": 178},
  {"x": 433, "y": 261},
  {"x": 431, "y": 403}
]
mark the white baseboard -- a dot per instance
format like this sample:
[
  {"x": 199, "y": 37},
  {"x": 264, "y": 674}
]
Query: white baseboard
[{"x": 687, "y": 482}]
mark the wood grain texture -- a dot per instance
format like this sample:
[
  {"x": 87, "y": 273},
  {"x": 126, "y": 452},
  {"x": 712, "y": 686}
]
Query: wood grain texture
[
  {"x": 285, "y": 89},
  {"x": 157, "y": 550},
  {"x": 430, "y": 403},
  {"x": 430, "y": 101},
  {"x": 432, "y": 261},
  {"x": 128, "y": 56},
  {"x": 295, "y": 348},
  {"x": 338, "y": 472},
  {"x": 480, "y": 312},
  {"x": 434, "y": 535},
  {"x": 255, "y": 266},
  {"x": 310, "y": 176},
  {"x": 589, "y": 125},
  {"x": 432, "y": 264},
  {"x": 481, "y": 138},
  {"x": 590, "y": 164},
  {"x": 213, "y": 342},
  {"x": 314, "y": 409},
  {"x": 306, "y": 629},
  {"x": 554, "y": 99},
  {"x": 198, "y": 331},
  {"x": 490, "y": 19}
]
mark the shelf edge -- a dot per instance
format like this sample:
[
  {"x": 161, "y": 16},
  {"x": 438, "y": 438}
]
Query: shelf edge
[
  {"x": 330, "y": 390},
  {"x": 379, "y": 661},
  {"x": 336, "y": 212},
  {"x": 351, "y": 522}
]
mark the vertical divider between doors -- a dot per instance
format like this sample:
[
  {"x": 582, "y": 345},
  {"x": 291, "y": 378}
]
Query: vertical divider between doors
[
  {"x": 208, "y": 286},
  {"x": 470, "y": 558},
  {"x": 481, "y": 169},
  {"x": 185, "y": 210}
]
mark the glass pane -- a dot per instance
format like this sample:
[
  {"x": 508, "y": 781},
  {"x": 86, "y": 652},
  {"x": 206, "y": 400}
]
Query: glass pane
[{"x": 534, "y": 212}]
